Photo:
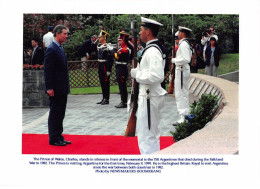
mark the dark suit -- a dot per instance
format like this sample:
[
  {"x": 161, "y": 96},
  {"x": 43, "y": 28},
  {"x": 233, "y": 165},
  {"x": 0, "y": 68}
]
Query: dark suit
[
  {"x": 87, "y": 47},
  {"x": 38, "y": 56},
  {"x": 57, "y": 78}
]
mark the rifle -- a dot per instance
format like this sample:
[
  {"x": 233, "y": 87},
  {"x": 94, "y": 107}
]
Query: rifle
[
  {"x": 171, "y": 84},
  {"x": 131, "y": 125}
]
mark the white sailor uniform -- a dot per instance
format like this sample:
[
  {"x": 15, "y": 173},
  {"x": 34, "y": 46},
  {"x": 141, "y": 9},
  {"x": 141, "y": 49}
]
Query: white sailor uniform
[
  {"x": 149, "y": 74},
  {"x": 182, "y": 60}
]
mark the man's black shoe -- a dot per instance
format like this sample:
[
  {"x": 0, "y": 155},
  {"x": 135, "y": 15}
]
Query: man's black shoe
[
  {"x": 121, "y": 105},
  {"x": 105, "y": 101},
  {"x": 66, "y": 142},
  {"x": 100, "y": 101},
  {"x": 58, "y": 143}
]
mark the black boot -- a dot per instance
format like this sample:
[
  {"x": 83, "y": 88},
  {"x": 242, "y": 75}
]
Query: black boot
[
  {"x": 101, "y": 101},
  {"x": 121, "y": 105},
  {"x": 105, "y": 101}
]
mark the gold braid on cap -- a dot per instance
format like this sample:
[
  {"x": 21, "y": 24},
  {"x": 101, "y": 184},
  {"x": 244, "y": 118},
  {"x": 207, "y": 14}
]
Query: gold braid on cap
[{"x": 103, "y": 33}]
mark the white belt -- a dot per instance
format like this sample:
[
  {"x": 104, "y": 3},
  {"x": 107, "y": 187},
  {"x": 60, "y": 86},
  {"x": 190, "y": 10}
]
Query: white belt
[
  {"x": 179, "y": 67},
  {"x": 99, "y": 60},
  {"x": 155, "y": 89},
  {"x": 123, "y": 63},
  {"x": 144, "y": 87}
]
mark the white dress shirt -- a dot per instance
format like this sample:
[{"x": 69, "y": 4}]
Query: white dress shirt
[{"x": 48, "y": 38}]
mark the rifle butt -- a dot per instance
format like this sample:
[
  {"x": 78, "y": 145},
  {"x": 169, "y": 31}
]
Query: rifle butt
[
  {"x": 171, "y": 84},
  {"x": 131, "y": 126}
]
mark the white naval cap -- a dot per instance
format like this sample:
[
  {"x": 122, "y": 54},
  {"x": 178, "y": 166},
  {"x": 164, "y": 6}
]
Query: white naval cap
[
  {"x": 181, "y": 28},
  {"x": 149, "y": 22},
  {"x": 176, "y": 35}
]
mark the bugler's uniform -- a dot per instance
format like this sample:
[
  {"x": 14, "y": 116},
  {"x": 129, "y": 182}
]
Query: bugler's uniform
[
  {"x": 105, "y": 63},
  {"x": 122, "y": 56}
]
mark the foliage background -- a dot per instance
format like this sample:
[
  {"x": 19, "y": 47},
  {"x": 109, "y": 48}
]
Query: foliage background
[{"x": 83, "y": 26}]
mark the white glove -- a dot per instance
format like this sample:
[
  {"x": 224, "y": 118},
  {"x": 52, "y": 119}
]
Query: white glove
[
  {"x": 95, "y": 41},
  {"x": 133, "y": 73},
  {"x": 110, "y": 47},
  {"x": 129, "y": 105},
  {"x": 108, "y": 73},
  {"x": 170, "y": 78}
]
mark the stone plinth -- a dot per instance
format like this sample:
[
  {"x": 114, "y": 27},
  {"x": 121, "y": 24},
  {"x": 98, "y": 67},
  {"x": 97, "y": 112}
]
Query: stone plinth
[{"x": 34, "y": 89}]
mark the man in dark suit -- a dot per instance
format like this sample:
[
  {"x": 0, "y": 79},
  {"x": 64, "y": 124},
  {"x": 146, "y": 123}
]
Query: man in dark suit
[
  {"x": 57, "y": 85},
  {"x": 37, "y": 53},
  {"x": 88, "y": 47}
]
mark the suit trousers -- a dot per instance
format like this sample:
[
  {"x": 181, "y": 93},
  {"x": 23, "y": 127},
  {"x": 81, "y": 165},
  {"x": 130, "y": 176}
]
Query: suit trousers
[{"x": 56, "y": 115}]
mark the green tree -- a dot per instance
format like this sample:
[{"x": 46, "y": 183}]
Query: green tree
[{"x": 83, "y": 26}]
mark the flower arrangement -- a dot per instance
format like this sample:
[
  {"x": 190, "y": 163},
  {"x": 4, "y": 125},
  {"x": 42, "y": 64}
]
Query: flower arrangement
[{"x": 33, "y": 67}]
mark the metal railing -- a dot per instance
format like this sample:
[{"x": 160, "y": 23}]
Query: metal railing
[{"x": 85, "y": 74}]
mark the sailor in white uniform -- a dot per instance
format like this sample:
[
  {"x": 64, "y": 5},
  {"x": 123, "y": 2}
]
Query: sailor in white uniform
[
  {"x": 149, "y": 73},
  {"x": 182, "y": 73}
]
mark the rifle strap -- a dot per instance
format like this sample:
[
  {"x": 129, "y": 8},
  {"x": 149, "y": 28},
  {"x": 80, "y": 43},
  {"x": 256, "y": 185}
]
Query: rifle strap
[
  {"x": 189, "y": 43},
  {"x": 153, "y": 44}
]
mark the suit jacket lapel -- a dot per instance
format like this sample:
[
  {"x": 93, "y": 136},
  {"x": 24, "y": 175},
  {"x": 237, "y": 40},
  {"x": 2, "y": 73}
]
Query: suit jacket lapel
[
  {"x": 59, "y": 50},
  {"x": 62, "y": 54}
]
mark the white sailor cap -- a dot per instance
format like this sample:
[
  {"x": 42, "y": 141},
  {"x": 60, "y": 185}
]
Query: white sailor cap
[
  {"x": 181, "y": 28},
  {"x": 176, "y": 35},
  {"x": 150, "y": 23}
]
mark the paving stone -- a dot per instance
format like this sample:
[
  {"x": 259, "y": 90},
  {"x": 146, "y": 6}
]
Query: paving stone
[{"x": 85, "y": 117}]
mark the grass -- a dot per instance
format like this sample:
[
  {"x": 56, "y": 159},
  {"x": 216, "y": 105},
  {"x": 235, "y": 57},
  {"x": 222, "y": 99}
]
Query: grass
[
  {"x": 228, "y": 63},
  {"x": 92, "y": 90},
  {"x": 97, "y": 90}
]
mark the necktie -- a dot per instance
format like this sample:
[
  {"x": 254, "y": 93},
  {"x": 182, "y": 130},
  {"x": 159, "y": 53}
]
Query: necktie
[{"x": 33, "y": 52}]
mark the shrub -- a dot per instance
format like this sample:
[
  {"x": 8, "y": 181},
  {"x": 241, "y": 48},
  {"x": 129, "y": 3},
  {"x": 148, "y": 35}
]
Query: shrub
[{"x": 203, "y": 112}]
